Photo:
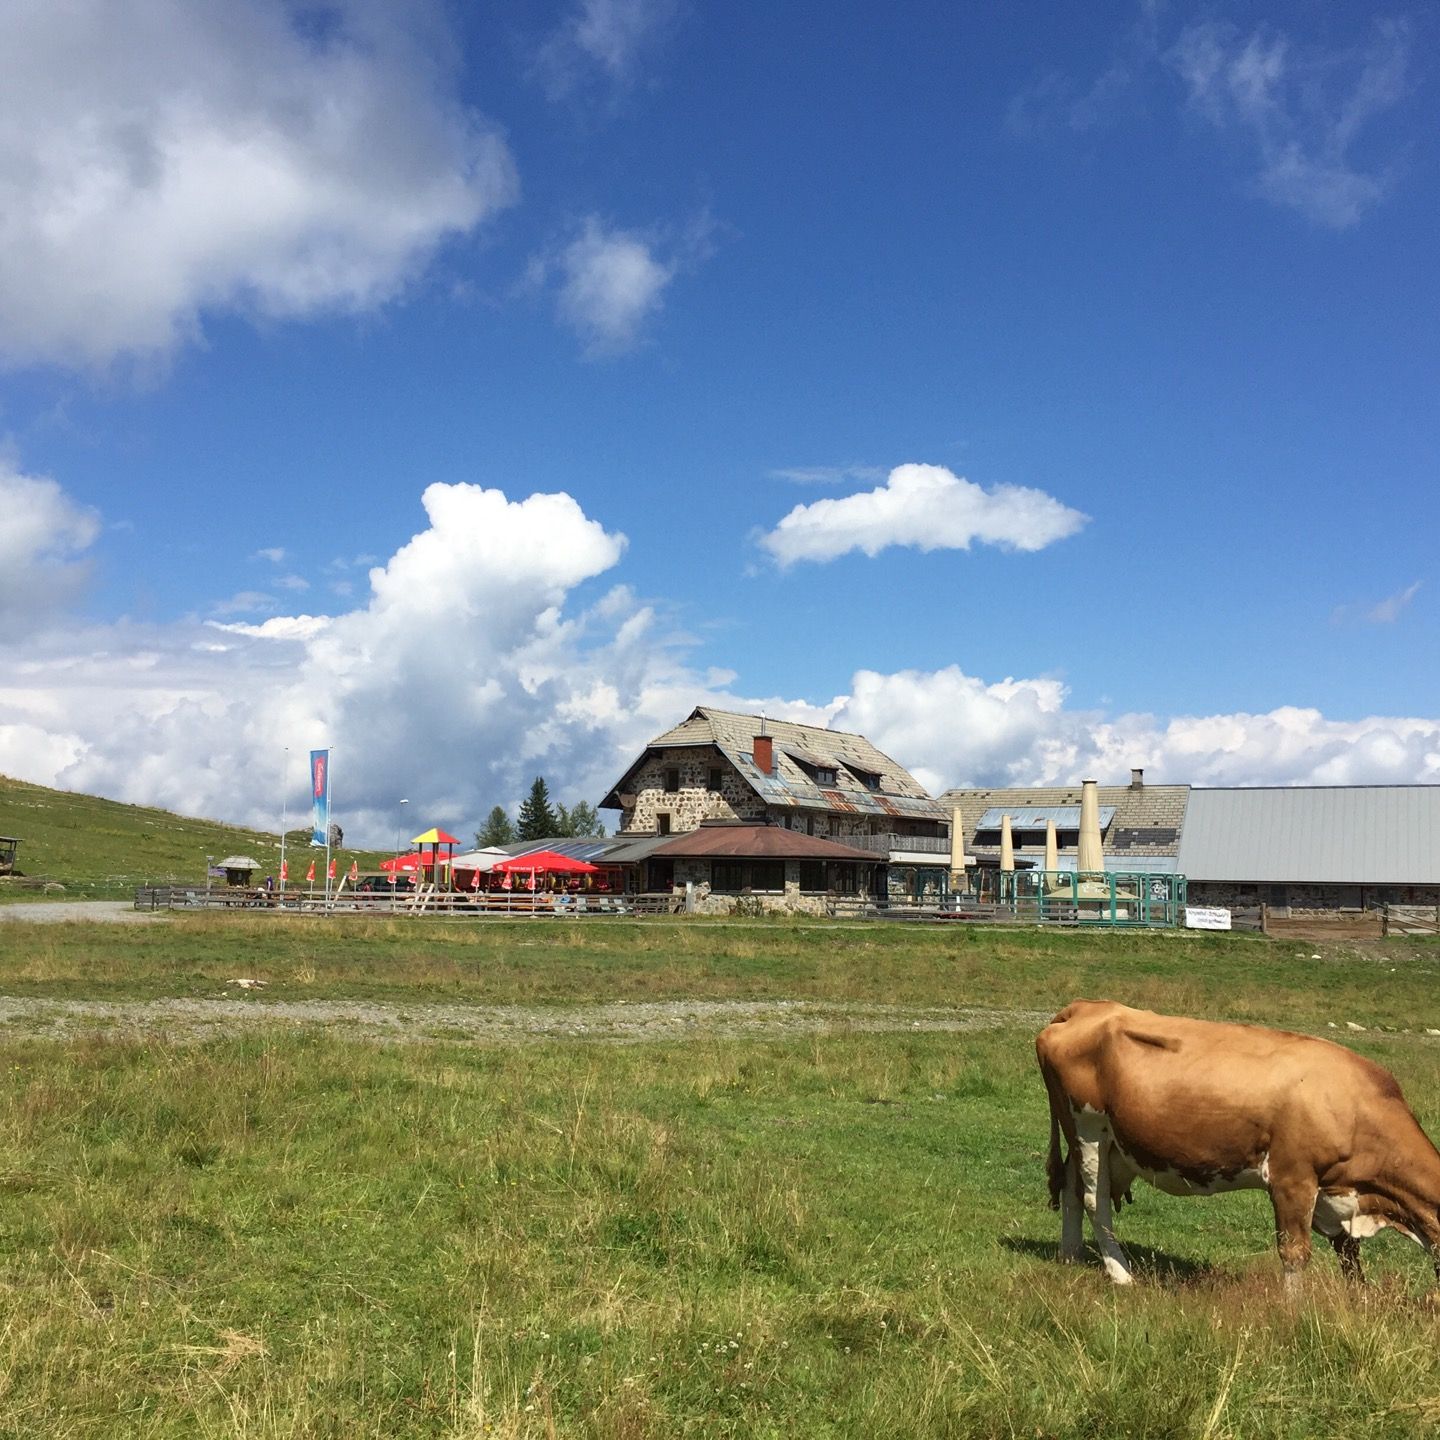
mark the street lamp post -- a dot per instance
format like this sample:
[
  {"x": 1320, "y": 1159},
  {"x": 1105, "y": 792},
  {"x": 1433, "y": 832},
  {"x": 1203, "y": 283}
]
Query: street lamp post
[{"x": 395, "y": 874}]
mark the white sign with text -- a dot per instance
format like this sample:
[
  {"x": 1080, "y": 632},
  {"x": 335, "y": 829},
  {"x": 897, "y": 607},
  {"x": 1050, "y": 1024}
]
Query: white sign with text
[{"x": 1206, "y": 917}]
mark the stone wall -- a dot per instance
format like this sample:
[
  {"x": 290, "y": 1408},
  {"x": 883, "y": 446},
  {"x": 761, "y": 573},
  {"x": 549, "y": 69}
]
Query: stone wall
[
  {"x": 1308, "y": 899},
  {"x": 694, "y": 801},
  {"x": 791, "y": 901}
]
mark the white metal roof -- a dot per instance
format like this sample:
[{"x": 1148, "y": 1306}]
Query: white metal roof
[{"x": 1337, "y": 835}]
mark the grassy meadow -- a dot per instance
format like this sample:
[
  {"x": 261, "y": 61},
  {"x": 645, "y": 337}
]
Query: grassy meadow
[
  {"x": 96, "y": 848},
  {"x": 288, "y": 1232}
]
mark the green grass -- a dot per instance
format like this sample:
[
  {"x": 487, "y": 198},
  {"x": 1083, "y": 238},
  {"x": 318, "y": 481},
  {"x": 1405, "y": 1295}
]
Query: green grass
[
  {"x": 291, "y": 1233},
  {"x": 1394, "y": 982},
  {"x": 103, "y": 848}
]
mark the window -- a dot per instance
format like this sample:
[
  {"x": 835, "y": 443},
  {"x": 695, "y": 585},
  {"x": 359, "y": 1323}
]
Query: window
[
  {"x": 715, "y": 777},
  {"x": 812, "y": 874},
  {"x": 662, "y": 823},
  {"x": 732, "y": 876},
  {"x": 809, "y": 824},
  {"x": 825, "y": 775},
  {"x": 672, "y": 781}
]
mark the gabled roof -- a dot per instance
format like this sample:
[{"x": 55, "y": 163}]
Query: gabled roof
[
  {"x": 757, "y": 842},
  {"x": 852, "y": 756},
  {"x": 1338, "y": 835}
]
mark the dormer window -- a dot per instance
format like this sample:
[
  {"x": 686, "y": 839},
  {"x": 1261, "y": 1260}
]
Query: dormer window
[{"x": 825, "y": 775}]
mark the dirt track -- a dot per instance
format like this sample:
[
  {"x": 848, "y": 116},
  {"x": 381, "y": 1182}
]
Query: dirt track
[{"x": 194, "y": 1020}]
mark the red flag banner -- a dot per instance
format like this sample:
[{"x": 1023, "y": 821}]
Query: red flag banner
[
  {"x": 330, "y": 870},
  {"x": 284, "y": 869},
  {"x": 354, "y": 871},
  {"x": 310, "y": 873}
]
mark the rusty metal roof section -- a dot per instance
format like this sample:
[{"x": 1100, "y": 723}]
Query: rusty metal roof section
[
  {"x": 797, "y": 746},
  {"x": 756, "y": 842}
]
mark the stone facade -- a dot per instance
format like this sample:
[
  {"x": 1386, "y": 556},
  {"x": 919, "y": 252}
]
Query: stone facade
[
  {"x": 1302, "y": 899},
  {"x": 718, "y": 766},
  {"x": 692, "y": 800},
  {"x": 792, "y": 900}
]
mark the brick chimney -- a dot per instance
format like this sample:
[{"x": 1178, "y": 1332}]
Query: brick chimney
[
  {"x": 1137, "y": 779},
  {"x": 765, "y": 754}
]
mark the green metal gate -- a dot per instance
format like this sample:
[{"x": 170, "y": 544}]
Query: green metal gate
[{"x": 1101, "y": 897}]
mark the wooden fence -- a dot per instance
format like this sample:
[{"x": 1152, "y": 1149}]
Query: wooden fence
[
  {"x": 1412, "y": 920},
  {"x": 426, "y": 901}
]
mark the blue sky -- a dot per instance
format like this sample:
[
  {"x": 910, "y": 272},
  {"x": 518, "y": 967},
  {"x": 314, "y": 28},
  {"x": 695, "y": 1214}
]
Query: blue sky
[{"x": 1039, "y": 392}]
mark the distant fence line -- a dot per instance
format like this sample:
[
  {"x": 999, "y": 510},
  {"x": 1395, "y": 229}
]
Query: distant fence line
[
  {"x": 1381, "y": 920},
  {"x": 352, "y": 902}
]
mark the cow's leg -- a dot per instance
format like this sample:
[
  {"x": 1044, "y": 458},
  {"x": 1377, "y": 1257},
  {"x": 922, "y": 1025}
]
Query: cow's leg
[
  {"x": 1294, "y": 1202},
  {"x": 1095, "y": 1184},
  {"x": 1072, "y": 1215},
  {"x": 1347, "y": 1248}
]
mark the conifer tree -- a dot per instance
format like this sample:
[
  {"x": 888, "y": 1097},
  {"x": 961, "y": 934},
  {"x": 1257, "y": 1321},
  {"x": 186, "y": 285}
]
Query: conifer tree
[{"x": 537, "y": 819}]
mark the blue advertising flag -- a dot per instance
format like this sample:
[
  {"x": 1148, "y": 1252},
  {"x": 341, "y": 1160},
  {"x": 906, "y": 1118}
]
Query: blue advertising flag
[{"x": 320, "y": 795}]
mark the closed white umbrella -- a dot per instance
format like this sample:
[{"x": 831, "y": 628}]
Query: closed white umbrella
[
  {"x": 1091, "y": 856},
  {"x": 957, "y": 850},
  {"x": 1007, "y": 844}
]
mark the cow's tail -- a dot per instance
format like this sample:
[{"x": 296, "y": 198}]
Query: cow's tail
[{"x": 1054, "y": 1162}]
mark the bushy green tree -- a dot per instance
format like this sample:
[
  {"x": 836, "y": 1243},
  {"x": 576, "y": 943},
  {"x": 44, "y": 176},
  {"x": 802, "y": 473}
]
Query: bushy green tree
[
  {"x": 537, "y": 816},
  {"x": 498, "y": 829},
  {"x": 580, "y": 820}
]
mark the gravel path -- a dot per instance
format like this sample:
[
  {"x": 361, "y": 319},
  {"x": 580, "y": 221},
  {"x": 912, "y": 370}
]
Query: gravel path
[
  {"x": 188, "y": 1021},
  {"x": 50, "y": 912},
  {"x": 194, "y": 1020}
]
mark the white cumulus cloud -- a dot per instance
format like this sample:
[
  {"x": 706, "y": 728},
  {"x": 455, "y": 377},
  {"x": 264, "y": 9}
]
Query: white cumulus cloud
[
  {"x": 953, "y": 729},
  {"x": 489, "y": 648},
  {"x": 164, "y": 158},
  {"x": 926, "y": 507},
  {"x": 610, "y": 283},
  {"x": 43, "y": 537}
]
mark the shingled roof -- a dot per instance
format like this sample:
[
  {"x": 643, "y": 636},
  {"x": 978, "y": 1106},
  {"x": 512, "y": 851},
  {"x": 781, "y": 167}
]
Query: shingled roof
[
  {"x": 799, "y": 749},
  {"x": 1147, "y": 819},
  {"x": 756, "y": 842}
]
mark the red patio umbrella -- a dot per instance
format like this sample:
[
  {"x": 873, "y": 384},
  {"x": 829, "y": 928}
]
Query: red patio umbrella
[
  {"x": 406, "y": 863},
  {"x": 548, "y": 862}
]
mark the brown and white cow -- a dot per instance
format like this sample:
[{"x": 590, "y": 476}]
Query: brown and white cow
[{"x": 1198, "y": 1108}]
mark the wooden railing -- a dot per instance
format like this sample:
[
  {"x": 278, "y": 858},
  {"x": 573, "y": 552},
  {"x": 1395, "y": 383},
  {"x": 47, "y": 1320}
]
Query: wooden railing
[
  {"x": 426, "y": 901},
  {"x": 888, "y": 842}
]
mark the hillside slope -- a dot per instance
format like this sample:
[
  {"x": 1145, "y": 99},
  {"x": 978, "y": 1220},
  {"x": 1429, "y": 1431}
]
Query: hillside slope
[{"x": 102, "y": 847}]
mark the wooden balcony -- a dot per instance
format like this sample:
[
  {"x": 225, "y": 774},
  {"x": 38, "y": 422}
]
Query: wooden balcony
[{"x": 890, "y": 843}]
